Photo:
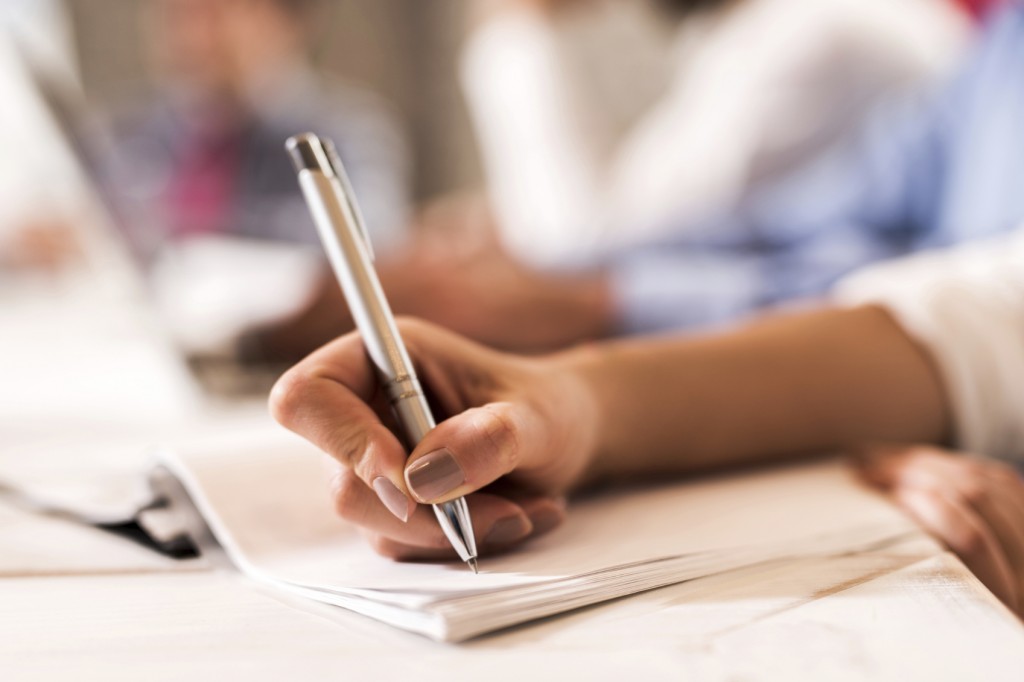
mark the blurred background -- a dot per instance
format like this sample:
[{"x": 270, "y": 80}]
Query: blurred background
[
  {"x": 406, "y": 51},
  {"x": 534, "y": 174},
  {"x": 518, "y": 163}
]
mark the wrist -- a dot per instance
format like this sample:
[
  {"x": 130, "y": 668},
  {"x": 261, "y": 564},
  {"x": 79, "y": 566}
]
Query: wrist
[{"x": 593, "y": 420}]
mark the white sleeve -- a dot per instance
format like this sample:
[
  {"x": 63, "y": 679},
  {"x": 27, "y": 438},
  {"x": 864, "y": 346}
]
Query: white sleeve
[
  {"x": 550, "y": 99},
  {"x": 966, "y": 307},
  {"x": 541, "y": 162}
]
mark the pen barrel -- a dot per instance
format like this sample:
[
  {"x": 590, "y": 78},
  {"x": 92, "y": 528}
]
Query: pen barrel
[
  {"x": 413, "y": 413},
  {"x": 350, "y": 259}
]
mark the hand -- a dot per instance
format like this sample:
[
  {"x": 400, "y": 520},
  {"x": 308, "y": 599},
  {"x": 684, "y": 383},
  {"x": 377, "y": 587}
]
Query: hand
[
  {"x": 973, "y": 505},
  {"x": 520, "y": 433},
  {"x": 324, "y": 317},
  {"x": 476, "y": 289},
  {"x": 45, "y": 246}
]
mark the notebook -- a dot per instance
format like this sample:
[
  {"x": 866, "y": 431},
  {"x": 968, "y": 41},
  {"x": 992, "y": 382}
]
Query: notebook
[{"x": 265, "y": 498}]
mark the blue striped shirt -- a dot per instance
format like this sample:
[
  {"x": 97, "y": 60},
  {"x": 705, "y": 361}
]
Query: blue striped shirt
[{"x": 932, "y": 172}]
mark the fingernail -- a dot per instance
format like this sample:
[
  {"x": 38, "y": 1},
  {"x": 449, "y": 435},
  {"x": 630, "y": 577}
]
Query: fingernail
[
  {"x": 435, "y": 475},
  {"x": 393, "y": 498},
  {"x": 508, "y": 530}
]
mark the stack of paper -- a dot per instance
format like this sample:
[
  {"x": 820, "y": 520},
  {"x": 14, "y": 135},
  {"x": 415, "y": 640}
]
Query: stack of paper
[{"x": 267, "y": 502}]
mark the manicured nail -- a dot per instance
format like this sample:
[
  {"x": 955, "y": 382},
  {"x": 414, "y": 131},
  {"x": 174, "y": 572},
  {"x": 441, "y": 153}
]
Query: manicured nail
[
  {"x": 393, "y": 498},
  {"x": 508, "y": 530},
  {"x": 435, "y": 475}
]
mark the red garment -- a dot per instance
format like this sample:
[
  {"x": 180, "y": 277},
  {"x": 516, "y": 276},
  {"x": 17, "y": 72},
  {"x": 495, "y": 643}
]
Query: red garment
[
  {"x": 198, "y": 198},
  {"x": 977, "y": 8}
]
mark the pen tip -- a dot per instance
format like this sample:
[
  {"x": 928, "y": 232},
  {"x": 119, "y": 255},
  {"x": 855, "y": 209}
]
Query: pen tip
[{"x": 472, "y": 564}]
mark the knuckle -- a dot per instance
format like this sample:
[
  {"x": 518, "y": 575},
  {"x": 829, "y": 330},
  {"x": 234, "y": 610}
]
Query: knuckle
[
  {"x": 500, "y": 433},
  {"x": 287, "y": 398},
  {"x": 350, "y": 447}
]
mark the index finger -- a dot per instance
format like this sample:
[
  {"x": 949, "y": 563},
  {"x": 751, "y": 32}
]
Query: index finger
[{"x": 325, "y": 399}]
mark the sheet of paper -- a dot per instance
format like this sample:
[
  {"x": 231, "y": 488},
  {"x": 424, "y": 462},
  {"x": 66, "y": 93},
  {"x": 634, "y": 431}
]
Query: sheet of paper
[
  {"x": 34, "y": 545},
  {"x": 267, "y": 498}
]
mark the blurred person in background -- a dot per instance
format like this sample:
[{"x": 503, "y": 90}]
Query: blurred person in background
[
  {"x": 933, "y": 169},
  {"x": 604, "y": 123},
  {"x": 201, "y": 182},
  {"x": 619, "y": 146},
  {"x": 234, "y": 80}
]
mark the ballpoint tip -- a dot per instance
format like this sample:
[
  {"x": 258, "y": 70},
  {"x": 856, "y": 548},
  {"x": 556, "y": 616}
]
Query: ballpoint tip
[{"x": 472, "y": 564}]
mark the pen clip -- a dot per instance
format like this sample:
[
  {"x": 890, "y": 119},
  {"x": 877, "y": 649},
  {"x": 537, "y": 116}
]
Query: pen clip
[{"x": 348, "y": 193}]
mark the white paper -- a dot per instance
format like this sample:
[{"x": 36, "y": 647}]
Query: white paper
[{"x": 266, "y": 498}]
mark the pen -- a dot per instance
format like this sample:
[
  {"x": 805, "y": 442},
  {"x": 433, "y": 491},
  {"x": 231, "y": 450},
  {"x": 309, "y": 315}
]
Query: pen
[{"x": 343, "y": 233}]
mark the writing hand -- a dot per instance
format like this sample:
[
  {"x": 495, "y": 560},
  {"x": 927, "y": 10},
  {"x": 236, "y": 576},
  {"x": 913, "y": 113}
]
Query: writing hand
[{"x": 521, "y": 432}]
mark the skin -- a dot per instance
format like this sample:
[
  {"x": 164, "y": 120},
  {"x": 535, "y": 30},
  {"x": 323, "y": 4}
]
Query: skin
[
  {"x": 527, "y": 430},
  {"x": 455, "y": 255},
  {"x": 42, "y": 246},
  {"x": 972, "y": 504}
]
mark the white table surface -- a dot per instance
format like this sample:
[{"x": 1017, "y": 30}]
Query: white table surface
[{"x": 76, "y": 603}]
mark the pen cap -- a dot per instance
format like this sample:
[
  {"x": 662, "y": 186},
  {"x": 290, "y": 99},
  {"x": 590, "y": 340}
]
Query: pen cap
[
  {"x": 307, "y": 153},
  {"x": 310, "y": 152}
]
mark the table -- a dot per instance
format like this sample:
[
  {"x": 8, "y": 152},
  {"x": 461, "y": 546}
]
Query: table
[
  {"x": 76, "y": 603},
  {"x": 909, "y": 612}
]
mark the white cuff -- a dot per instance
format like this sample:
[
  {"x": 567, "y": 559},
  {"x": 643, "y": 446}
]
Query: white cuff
[{"x": 966, "y": 307}]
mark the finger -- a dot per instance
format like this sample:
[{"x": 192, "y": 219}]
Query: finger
[
  {"x": 991, "y": 489},
  {"x": 1012, "y": 483},
  {"x": 994, "y": 492},
  {"x": 471, "y": 450},
  {"x": 547, "y": 513},
  {"x": 885, "y": 466},
  {"x": 960, "y": 529},
  {"x": 480, "y": 444},
  {"x": 1002, "y": 505},
  {"x": 497, "y": 522},
  {"x": 324, "y": 399}
]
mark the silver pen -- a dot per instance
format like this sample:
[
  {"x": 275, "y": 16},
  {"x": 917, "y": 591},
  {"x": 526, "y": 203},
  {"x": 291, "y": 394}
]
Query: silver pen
[{"x": 343, "y": 233}]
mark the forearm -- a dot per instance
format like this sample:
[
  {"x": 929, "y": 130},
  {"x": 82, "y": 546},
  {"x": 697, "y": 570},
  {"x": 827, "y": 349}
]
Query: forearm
[{"x": 786, "y": 386}]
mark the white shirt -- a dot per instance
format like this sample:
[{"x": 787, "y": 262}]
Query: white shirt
[
  {"x": 577, "y": 168},
  {"x": 966, "y": 307}
]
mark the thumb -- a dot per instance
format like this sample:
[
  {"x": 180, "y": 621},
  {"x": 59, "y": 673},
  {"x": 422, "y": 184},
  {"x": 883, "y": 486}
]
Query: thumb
[{"x": 473, "y": 449}]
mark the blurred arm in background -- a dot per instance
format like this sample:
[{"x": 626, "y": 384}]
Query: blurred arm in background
[
  {"x": 928, "y": 172},
  {"x": 604, "y": 124}
]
